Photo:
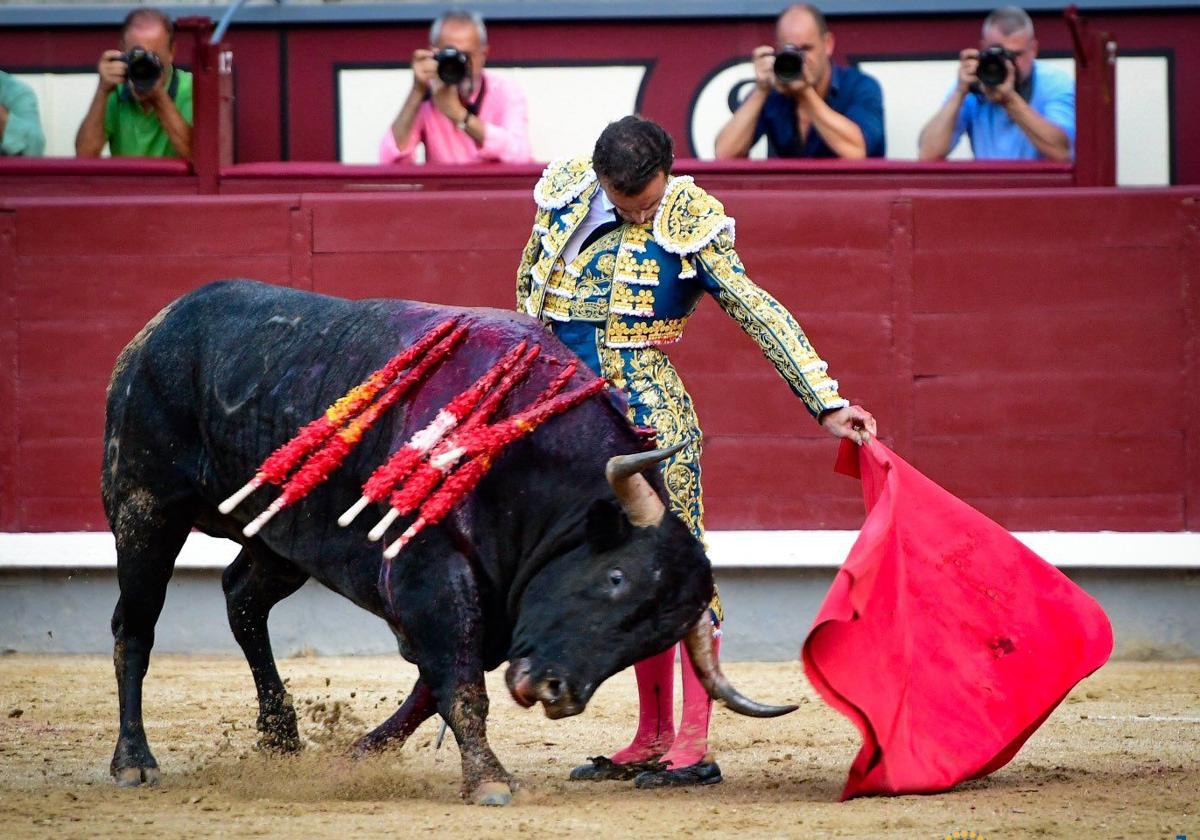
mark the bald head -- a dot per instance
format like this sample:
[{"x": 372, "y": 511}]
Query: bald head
[{"x": 801, "y": 15}]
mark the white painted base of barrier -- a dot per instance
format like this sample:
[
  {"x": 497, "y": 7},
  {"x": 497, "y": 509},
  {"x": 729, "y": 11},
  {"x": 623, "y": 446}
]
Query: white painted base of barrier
[{"x": 728, "y": 549}]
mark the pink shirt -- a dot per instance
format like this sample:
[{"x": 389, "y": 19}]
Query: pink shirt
[{"x": 505, "y": 137}]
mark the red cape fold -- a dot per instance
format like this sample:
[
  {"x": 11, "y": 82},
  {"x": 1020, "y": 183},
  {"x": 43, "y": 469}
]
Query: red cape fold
[{"x": 943, "y": 638}]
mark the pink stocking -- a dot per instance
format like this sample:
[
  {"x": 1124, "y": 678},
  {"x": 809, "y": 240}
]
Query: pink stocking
[
  {"x": 656, "y": 709},
  {"x": 691, "y": 743}
]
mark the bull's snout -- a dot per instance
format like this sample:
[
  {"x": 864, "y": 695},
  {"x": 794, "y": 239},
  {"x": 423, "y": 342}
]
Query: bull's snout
[
  {"x": 520, "y": 685},
  {"x": 546, "y": 687}
]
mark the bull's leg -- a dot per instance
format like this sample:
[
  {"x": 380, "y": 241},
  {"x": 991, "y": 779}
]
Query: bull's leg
[
  {"x": 464, "y": 707},
  {"x": 148, "y": 540},
  {"x": 442, "y": 619},
  {"x": 255, "y": 582},
  {"x": 417, "y": 708}
]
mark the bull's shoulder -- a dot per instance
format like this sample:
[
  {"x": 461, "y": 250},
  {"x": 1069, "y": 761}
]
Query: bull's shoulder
[{"x": 563, "y": 181}]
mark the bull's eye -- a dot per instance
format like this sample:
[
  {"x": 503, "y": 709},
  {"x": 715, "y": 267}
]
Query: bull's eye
[{"x": 616, "y": 577}]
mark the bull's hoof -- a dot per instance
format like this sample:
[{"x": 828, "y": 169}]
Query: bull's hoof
[
  {"x": 492, "y": 793},
  {"x": 367, "y": 746},
  {"x": 280, "y": 743},
  {"x": 134, "y": 776}
]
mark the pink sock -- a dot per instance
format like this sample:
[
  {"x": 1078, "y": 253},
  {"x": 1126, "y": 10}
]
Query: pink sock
[
  {"x": 691, "y": 742},
  {"x": 656, "y": 709}
]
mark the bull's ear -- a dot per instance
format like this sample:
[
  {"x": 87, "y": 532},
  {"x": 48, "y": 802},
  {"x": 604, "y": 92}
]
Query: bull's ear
[{"x": 607, "y": 525}]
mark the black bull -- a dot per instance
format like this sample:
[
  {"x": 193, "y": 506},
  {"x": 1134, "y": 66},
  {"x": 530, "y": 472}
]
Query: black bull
[{"x": 568, "y": 574}]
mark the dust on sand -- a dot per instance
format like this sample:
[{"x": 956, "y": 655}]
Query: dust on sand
[{"x": 1119, "y": 759}]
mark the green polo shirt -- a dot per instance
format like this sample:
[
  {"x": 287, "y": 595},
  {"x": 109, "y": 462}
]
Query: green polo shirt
[{"x": 135, "y": 132}]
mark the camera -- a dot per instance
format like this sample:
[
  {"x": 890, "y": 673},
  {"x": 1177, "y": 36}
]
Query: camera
[
  {"x": 789, "y": 64},
  {"x": 993, "y": 65},
  {"x": 145, "y": 69},
  {"x": 452, "y": 65}
]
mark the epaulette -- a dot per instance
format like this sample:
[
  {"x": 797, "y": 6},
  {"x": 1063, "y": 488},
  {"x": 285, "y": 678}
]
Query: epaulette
[
  {"x": 688, "y": 218},
  {"x": 563, "y": 181}
]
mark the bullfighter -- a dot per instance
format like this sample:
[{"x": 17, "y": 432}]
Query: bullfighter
[{"x": 620, "y": 253}]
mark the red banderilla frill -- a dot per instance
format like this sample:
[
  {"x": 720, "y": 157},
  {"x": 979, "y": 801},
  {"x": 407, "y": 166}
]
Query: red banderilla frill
[
  {"x": 319, "y": 465},
  {"x": 408, "y": 456},
  {"x": 279, "y": 464},
  {"x": 486, "y": 443},
  {"x": 424, "y": 477}
]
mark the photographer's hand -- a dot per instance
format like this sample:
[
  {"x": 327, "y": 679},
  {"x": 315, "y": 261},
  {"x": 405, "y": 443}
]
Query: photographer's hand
[
  {"x": 177, "y": 128},
  {"x": 1004, "y": 92},
  {"x": 447, "y": 100},
  {"x": 842, "y": 134},
  {"x": 424, "y": 67},
  {"x": 933, "y": 143},
  {"x": 1050, "y": 140},
  {"x": 90, "y": 139},
  {"x": 764, "y": 67},
  {"x": 968, "y": 66},
  {"x": 737, "y": 136},
  {"x": 112, "y": 71}
]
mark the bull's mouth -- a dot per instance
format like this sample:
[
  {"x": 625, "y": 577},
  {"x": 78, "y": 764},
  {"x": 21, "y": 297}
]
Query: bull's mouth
[{"x": 552, "y": 691}]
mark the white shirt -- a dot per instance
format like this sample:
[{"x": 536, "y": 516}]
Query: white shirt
[{"x": 600, "y": 210}]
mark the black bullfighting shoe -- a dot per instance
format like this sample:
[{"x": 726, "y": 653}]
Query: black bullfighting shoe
[
  {"x": 601, "y": 769},
  {"x": 700, "y": 773}
]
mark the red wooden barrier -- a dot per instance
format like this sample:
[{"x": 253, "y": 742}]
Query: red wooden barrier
[{"x": 1036, "y": 351}]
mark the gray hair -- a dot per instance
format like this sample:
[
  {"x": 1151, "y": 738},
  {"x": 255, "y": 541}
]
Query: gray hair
[
  {"x": 460, "y": 16},
  {"x": 1009, "y": 20}
]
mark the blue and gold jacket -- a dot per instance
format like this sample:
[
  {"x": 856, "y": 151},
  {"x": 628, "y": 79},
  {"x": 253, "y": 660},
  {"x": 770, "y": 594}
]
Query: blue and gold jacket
[{"x": 636, "y": 286}]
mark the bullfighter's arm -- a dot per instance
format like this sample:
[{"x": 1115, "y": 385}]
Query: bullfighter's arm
[
  {"x": 771, "y": 326},
  {"x": 529, "y": 257}
]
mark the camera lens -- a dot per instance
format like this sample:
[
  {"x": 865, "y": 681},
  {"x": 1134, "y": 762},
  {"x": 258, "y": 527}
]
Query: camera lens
[
  {"x": 452, "y": 65},
  {"x": 993, "y": 68},
  {"x": 789, "y": 64},
  {"x": 145, "y": 68}
]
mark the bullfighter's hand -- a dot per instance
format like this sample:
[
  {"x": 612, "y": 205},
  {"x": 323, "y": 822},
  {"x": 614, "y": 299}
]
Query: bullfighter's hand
[{"x": 852, "y": 421}]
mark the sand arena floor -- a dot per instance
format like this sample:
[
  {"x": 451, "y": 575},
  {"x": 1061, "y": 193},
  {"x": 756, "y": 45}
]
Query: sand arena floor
[{"x": 1119, "y": 759}]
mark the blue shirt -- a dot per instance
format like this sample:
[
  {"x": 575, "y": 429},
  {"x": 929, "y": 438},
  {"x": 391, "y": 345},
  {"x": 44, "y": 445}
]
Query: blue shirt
[
  {"x": 853, "y": 94},
  {"x": 994, "y": 135}
]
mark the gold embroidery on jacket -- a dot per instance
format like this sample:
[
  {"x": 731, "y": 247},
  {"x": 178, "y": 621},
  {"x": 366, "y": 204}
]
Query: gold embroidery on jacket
[
  {"x": 688, "y": 218},
  {"x": 771, "y": 326},
  {"x": 627, "y": 300},
  {"x": 655, "y": 384},
  {"x": 563, "y": 181},
  {"x": 643, "y": 334},
  {"x": 658, "y": 399},
  {"x": 640, "y": 272}
]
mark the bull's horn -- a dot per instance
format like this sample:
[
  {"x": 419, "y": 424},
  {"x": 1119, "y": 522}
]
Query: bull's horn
[
  {"x": 637, "y": 497},
  {"x": 708, "y": 669}
]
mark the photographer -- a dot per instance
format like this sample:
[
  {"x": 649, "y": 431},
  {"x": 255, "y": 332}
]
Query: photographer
[
  {"x": 1011, "y": 107},
  {"x": 460, "y": 113},
  {"x": 143, "y": 103},
  {"x": 20, "y": 126},
  {"x": 805, "y": 104}
]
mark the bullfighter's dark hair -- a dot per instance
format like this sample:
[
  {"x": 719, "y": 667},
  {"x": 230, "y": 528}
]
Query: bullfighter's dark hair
[
  {"x": 631, "y": 151},
  {"x": 138, "y": 16}
]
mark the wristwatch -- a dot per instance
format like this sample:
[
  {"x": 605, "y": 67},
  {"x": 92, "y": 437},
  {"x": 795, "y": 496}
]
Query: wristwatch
[{"x": 462, "y": 124}]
